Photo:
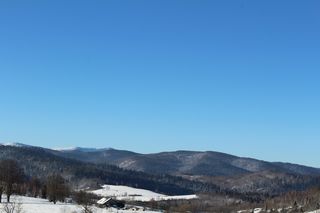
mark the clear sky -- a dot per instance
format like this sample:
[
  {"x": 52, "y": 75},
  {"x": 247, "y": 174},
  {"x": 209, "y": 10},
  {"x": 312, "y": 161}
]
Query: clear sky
[{"x": 241, "y": 77}]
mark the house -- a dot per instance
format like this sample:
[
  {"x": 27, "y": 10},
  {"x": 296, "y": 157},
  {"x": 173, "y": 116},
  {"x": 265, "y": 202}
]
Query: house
[
  {"x": 111, "y": 202},
  {"x": 68, "y": 200}
]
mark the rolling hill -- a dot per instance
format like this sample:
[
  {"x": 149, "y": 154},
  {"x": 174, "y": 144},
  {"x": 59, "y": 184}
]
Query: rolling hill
[{"x": 185, "y": 162}]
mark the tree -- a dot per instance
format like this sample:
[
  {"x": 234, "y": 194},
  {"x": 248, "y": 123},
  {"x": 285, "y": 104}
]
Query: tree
[
  {"x": 44, "y": 191},
  {"x": 10, "y": 175},
  {"x": 13, "y": 207},
  {"x": 57, "y": 189},
  {"x": 85, "y": 200},
  {"x": 34, "y": 186},
  {"x": 1, "y": 190}
]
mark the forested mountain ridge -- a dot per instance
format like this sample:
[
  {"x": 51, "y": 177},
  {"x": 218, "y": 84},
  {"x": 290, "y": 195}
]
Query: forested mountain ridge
[
  {"x": 41, "y": 162},
  {"x": 186, "y": 172},
  {"x": 185, "y": 162}
]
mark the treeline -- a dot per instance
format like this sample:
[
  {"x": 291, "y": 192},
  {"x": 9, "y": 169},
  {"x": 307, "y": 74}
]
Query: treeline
[
  {"x": 267, "y": 183},
  {"x": 14, "y": 181},
  {"x": 291, "y": 202},
  {"x": 295, "y": 201},
  {"x": 55, "y": 188}
]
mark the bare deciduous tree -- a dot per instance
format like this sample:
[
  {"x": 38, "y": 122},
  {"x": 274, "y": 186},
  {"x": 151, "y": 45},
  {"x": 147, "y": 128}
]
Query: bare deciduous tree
[
  {"x": 12, "y": 207},
  {"x": 57, "y": 189},
  {"x": 35, "y": 186},
  {"x": 85, "y": 200},
  {"x": 10, "y": 175},
  {"x": 1, "y": 190}
]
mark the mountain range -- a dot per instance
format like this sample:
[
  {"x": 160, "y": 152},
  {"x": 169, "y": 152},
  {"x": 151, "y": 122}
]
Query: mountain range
[
  {"x": 183, "y": 162},
  {"x": 177, "y": 172}
]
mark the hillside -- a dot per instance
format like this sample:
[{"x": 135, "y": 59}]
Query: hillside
[
  {"x": 266, "y": 182},
  {"x": 41, "y": 162},
  {"x": 170, "y": 173},
  {"x": 185, "y": 162}
]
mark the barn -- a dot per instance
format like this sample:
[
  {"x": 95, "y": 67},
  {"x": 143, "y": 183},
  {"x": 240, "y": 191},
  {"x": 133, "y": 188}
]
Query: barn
[{"x": 111, "y": 202}]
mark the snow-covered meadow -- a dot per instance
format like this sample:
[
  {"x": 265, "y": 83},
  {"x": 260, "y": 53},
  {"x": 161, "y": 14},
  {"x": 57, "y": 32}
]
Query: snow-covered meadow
[
  {"x": 37, "y": 205},
  {"x": 316, "y": 211},
  {"x": 130, "y": 193},
  {"x": 259, "y": 210}
]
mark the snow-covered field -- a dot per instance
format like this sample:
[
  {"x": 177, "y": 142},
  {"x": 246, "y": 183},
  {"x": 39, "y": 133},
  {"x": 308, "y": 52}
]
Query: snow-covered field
[
  {"x": 258, "y": 210},
  {"x": 130, "y": 193},
  {"x": 36, "y": 205}
]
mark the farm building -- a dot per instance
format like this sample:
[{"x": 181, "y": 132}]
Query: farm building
[{"x": 111, "y": 202}]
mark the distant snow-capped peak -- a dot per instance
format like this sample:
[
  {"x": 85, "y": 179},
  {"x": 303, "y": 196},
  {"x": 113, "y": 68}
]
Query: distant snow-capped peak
[
  {"x": 67, "y": 149},
  {"x": 15, "y": 144},
  {"x": 81, "y": 149}
]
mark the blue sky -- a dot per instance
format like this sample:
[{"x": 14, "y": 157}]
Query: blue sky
[{"x": 240, "y": 77}]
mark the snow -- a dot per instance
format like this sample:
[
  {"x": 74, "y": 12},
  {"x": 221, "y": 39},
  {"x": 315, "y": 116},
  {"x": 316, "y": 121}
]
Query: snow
[
  {"x": 258, "y": 210},
  {"x": 103, "y": 201},
  {"x": 14, "y": 144},
  {"x": 82, "y": 149},
  {"x": 130, "y": 193},
  {"x": 37, "y": 205}
]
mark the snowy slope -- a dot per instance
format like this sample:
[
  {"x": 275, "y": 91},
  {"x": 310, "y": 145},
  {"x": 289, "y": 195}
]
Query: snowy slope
[
  {"x": 14, "y": 144},
  {"x": 258, "y": 210},
  {"x": 80, "y": 149},
  {"x": 36, "y": 205},
  {"x": 130, "y": 193}
]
